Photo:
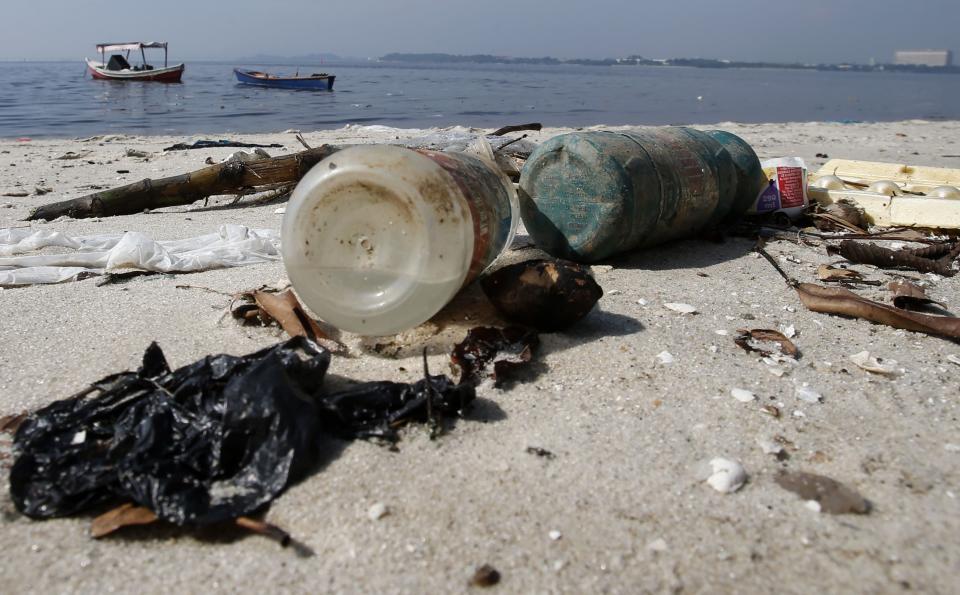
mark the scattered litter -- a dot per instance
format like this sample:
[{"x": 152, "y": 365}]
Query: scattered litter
[
  {"x": 869, "y": 363},
  {"x": 681, "y": 308},
  {"x": 485, "y": 576},
  {"x": 665, "y": 357},
  {"x": 549, "y": 295},
  {"x": 489, "y": 353},
  {"x": 377, "y": 511},
  {"x": 830, "y": 495},
  {"x": 727, "y": 476},
  {"x": 743, "y": 395}
]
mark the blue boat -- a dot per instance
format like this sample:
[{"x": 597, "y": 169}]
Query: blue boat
[{"x": 320, "y": 82}]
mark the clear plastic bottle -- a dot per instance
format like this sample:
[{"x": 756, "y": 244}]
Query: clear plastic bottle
[{"x": 377, "y": 239}]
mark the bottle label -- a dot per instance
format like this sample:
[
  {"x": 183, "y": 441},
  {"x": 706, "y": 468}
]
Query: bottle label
[{"x": 489, "y": 202}]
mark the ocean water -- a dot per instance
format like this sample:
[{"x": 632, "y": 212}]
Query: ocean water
[{"x": 58, "y": 99}]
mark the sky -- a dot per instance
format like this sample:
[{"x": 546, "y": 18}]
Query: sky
[{"x": 763, "y": 30}]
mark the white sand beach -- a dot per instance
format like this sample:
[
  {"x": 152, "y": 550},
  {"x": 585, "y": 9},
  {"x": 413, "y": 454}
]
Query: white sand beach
[{"x": 622, "y": 506}]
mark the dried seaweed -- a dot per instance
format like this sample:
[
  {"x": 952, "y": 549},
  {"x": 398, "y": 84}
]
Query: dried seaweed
[
  {"x": 865, "y": 253},
  {"x": 493, "y": 353}
]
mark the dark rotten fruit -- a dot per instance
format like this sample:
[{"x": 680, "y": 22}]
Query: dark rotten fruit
[{"x": 549, "y": 295}]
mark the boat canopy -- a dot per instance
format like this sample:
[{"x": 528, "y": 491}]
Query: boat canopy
[{"x": 130, "y": 45}]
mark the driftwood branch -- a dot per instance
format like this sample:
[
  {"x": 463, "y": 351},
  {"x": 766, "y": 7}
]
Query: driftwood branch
[
  {"x": 536, "y": 126},
  {"x": 229, "y": 177}
]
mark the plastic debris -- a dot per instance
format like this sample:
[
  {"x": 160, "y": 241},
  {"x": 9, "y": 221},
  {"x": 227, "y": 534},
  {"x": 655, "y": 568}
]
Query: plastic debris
[
  {"x": 489, "y": 353},
  {"x": 830, "y": 495},
  {"x": 727, "y": 476},
  {"x": 549, "y": 295},
  {"x": 230, "y": 246},
  {"x": 211, "y": 441}
]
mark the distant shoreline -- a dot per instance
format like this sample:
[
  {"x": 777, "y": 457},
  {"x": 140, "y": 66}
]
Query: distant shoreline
[{"x": 396, "y": 58}]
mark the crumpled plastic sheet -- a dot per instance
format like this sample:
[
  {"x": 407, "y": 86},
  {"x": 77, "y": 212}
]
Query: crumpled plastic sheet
[
  {"x": 231, "y": 246},
  {"x": 210, "y": 441}
]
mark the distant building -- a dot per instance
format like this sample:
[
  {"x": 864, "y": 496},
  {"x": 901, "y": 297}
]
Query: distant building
[{"x": 923, "y": 58}]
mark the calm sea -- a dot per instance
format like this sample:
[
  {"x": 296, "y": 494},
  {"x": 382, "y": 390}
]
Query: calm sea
[{"x": 58, "y": 99}]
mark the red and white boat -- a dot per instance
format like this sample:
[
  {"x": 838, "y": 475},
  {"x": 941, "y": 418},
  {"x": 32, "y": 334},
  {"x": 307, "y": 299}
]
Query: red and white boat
[{"x": 118, "y": 67}]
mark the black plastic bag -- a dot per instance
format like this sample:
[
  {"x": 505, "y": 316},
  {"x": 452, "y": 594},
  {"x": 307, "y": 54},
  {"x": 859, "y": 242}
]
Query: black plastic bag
[{"x": 210, "y": 441}]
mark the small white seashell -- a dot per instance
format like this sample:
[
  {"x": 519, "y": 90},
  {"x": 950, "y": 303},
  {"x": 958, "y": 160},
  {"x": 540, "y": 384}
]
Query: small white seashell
[
  {"x": 728, "y": 476},
  {"x": 808, "y": 395},
  {"x": 790, "y": 332},
  {"x": 614, "y": 292},
  {"x": 555, "y": 535},
  {"x": 812, "y": 505},
  {"x": 742, "y": 395},
  {"x": 642, "y": 302},
  {"x": 378, "y": 511},
  {"x": 721, "y": 332},
  {"x": 872, "y": 364},
  {"x": 954, "y": 359},
  {"x": 798, "y": 413},
  {"x": 665, "y": 357},
  {"x": 681, "y": 308},
  {"x": 280, "y": 211}
]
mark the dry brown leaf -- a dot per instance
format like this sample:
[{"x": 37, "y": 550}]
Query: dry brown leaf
[
  {"x": 826, "y": 272},
  {"x": 754, "y": 340},
  {"x": 125, "y": 515},
  {"x": 844, "y": 302},
  {"x": 286, "y": 310},
  {"x": 832, "y": 496},
  {"x": 909, "y": 296},
  {"x": 866, "y": 253}
]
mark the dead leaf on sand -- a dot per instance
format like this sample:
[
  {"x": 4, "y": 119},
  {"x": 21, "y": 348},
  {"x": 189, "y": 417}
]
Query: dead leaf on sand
[
  {"x": 828, "y": 273},
  {"x": 830, "y": 495},
  {"x": 910, "y": 296},
  {"x": 285, "y": 309},
  {"x": 125, "y": 515}
]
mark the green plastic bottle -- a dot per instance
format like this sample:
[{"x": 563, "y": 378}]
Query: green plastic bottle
[{"x": 586, "y": 196}]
